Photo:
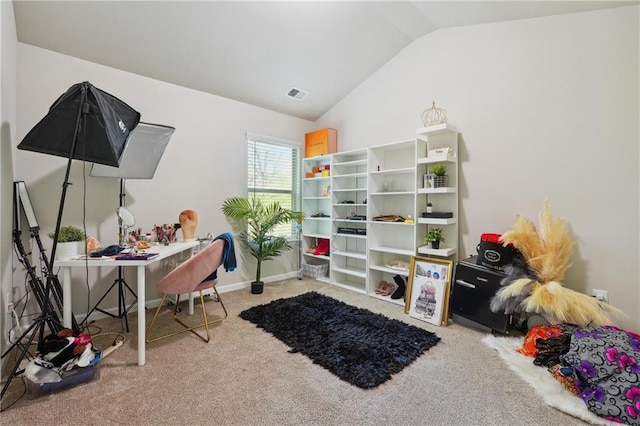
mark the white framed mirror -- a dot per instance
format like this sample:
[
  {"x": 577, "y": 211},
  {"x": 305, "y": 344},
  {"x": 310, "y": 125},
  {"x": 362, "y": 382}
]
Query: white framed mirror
[{"x": 126, "y": 217}]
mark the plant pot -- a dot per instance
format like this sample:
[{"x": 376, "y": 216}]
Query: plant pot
[
  {"x": 435, "y": 244},
  {"x": 257, "y": 287},
  {"x": 440, "y": 181},
  {"x": 429, "y": 209},
  {"x": 65, "y": 251}
]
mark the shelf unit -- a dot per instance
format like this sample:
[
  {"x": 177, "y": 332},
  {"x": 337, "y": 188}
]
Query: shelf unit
[
  {"x": 316, "y": 201},
  {"x": 392, "y": 191},
  {"x": 444, "y": 199},
  {"x": 378, "y": 181},
  {"x": 349, "y": 213}
]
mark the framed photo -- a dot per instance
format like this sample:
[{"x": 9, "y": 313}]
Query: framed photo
[{"x": 428, "y": 289}]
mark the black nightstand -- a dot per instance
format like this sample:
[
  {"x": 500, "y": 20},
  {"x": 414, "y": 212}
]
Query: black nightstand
[{"x": 473, "y": 287}]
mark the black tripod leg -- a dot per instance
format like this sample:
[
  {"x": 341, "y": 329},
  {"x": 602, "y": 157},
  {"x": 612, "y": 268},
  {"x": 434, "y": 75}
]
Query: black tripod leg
[
  {"x": 122, "y": 304},
  {"x": 14, "y": 372}
]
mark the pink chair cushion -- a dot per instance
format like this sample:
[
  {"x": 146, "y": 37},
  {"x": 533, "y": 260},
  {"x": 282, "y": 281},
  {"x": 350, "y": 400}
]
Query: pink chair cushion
[{"x": 188, "y": 276}]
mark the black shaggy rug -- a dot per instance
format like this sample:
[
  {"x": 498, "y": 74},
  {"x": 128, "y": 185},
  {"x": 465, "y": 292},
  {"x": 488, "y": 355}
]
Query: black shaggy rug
[{"x": 360, "y": 347}]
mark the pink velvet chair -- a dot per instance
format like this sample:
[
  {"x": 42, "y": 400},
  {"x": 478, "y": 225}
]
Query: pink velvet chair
[{"x": 193, "y": 275}]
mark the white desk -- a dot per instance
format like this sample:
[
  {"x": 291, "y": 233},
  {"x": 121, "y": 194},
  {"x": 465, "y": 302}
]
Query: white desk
[{"x": 164, "y": 252}]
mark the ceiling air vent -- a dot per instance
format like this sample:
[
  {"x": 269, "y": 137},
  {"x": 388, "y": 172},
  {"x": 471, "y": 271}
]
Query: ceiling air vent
[{"x": 297, "y": 94}]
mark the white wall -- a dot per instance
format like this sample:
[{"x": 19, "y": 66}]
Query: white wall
[
  {"x": 204, "y": 163},
  {"x": 547, "y": 108},
  {"x": 7, "y": 136}
]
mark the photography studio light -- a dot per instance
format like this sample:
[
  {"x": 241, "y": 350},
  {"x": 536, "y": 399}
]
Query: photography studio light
[
  {"x": 140, "y": 160},
  {"x": 84, "y": 123}
]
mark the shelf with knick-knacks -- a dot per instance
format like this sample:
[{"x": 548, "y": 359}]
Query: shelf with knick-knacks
[
  {"x": 437, "y": 168},
  {"x": 316, "y": 205}
]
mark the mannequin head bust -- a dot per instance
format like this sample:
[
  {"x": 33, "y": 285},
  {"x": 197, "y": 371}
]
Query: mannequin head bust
[{"x": 188, "y": 222}]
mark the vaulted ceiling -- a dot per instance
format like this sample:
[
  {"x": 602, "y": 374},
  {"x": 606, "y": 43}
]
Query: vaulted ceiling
[{"x": 257, "y": 51}]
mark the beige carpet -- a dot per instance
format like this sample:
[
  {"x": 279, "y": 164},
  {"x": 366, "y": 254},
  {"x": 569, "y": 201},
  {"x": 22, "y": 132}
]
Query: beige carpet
[{"x": 245, "y": 376}]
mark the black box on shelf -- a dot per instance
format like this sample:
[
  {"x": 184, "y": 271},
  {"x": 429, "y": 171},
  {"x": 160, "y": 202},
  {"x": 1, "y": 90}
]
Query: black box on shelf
[{"x": 438, "y": 215}]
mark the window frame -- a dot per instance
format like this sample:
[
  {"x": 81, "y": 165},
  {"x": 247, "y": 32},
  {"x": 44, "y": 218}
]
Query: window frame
[{"x": 296, "y": 176}]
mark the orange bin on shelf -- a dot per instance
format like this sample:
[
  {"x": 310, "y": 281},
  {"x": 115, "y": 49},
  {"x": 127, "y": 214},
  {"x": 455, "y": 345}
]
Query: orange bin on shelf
[{"x": 320, "y": 142}]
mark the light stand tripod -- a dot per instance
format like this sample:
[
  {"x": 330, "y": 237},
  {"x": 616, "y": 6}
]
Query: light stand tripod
[
  {"x": 48, "y": 316},
  {"x": 21, "y": 200},
  {"x": 123, "y": 309},
  {"x": 105, "y": 123},
  {"x": 139, "y": 161}
]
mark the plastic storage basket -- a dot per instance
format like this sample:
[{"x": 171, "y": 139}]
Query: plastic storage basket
[{"x": 315, "y": 271}]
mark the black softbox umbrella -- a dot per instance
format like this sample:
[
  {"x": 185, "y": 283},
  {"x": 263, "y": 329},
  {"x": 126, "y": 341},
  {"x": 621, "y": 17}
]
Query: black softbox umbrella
[{"x": 101, "y": 134}]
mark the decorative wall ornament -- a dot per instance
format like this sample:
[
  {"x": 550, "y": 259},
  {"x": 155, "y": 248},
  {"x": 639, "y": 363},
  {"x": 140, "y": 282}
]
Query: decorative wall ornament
[{"x": 433, "y": 116}]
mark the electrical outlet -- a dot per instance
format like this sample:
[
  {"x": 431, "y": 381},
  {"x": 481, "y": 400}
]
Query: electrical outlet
[{"x": 601, "y": 295}]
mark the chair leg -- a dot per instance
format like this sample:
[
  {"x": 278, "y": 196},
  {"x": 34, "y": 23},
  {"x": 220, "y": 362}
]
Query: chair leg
[{"x": 205, "y": 319}]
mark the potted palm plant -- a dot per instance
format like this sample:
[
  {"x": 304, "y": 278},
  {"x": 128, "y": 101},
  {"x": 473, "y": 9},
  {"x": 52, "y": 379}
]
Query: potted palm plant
[
  {"x": 434, "y": 236},
  {"x": 256, "y": 223},
  {"x": 69, "y": 241}
]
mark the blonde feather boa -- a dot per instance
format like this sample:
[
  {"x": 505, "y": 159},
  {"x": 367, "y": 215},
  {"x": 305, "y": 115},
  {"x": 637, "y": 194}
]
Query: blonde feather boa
[{"x": 547, "y": 251}]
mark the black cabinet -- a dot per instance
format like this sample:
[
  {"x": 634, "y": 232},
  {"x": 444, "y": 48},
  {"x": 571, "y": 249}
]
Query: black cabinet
[{"x": 473, "y": 288}]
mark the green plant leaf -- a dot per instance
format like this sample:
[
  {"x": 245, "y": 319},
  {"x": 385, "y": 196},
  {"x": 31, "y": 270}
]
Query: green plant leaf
[{"x": 255, "y": 223}]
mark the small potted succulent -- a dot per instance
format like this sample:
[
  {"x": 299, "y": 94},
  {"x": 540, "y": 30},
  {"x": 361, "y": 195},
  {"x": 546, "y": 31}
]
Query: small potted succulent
[
  {"x": 429, "y": 208},
  {"x": 434, "y": 236}
]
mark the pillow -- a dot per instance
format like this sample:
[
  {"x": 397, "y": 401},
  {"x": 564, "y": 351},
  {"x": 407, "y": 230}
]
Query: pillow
[{"x": 606, "y": 365}]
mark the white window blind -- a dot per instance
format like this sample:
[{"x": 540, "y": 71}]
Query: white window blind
[{"x": 273, "y": 174}]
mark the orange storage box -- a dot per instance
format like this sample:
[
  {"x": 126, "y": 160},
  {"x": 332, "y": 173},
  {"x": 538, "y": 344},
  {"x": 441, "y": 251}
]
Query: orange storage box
[{"x": 320, "y": 142}]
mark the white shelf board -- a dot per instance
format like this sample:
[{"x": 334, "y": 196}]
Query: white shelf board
[
  {"x": 437, "y": 129},
  {"x": 399, "y": 302},
  {"x": 443, "y": 190},
  {"x": 326, "y": 236},
  {"x": 317, "y": 256},
  {"x": 394, "y": 250},
  {"x": 319, "y": 178},
  {"x": 317, "y": 158},
  {"x": 402, "y": 171},
  {"x": 437, "y": 221},
  {"x": 340, "y": 234},
  {"x": 388, "y": 270},
  {"x": 381, "y": 222},
  {"x": 392, "y": 192},
  {"x": 356, "y": 272},
  {"x": 339, "y": 219},
  {"x": 442, "y": 252},
  {"x": 431, "y": 160},
  {"x": 349, "y": 189},
  {"x": 351, "y": 254}
]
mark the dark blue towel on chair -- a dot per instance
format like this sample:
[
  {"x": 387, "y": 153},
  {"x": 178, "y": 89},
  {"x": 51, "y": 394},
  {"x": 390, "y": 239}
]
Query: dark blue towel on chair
[{"x": 228, "y": 256}]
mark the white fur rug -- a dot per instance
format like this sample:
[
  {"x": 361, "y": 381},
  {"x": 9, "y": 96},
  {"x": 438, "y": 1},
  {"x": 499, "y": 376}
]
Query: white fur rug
[{"x": 551, "y": 391}]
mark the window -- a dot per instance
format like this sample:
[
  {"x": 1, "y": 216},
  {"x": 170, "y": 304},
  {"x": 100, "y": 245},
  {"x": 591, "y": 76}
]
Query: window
[{"x": 273, "y": 174}]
